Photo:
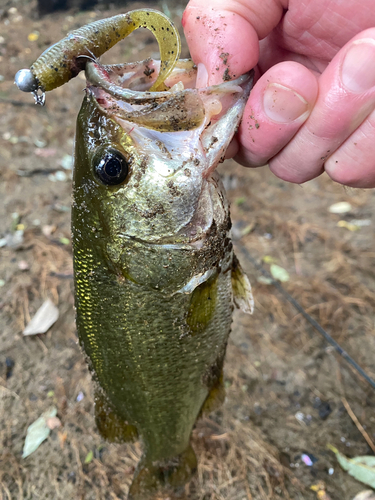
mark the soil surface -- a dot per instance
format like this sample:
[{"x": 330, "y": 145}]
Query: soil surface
[{"x": 287, "y": 390}]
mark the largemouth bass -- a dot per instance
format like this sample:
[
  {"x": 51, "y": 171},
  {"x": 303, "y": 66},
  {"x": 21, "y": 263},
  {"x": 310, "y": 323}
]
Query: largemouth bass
[{"x": 155, "y": 275}]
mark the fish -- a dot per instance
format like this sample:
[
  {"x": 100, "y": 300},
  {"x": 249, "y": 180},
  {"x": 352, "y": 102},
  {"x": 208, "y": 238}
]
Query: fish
[{"x": 156, "y": 278}]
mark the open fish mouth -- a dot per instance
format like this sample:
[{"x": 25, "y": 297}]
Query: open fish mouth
[
  {"x": 123, "y": 91},
  {"x": 181, "y": 125}
]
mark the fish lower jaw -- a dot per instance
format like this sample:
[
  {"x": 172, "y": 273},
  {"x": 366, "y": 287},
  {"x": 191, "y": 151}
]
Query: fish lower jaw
[{"x": 168, "y": 243}]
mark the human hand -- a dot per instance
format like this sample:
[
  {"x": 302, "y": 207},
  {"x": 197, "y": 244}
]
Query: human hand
[{"x": 313, "y": 106}]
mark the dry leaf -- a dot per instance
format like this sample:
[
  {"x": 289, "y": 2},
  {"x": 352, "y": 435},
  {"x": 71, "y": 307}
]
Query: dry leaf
[
  {"x": 365, "y": 495},
  {"x": 320, "y": 489},
  {"x": 264, "y": 280},
  {"x": 45, "y": 153},
  {"x": 37, "y": 432},
  {"x": 47, "y": 230},
  {"x": 347, "y": 225},
  {"x": 62, "y": 438},
  {"x": 342, "y": 207},
  {"x": 44, "y": 318}
]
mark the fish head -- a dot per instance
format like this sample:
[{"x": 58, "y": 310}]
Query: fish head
[
  {"x": 142, "y": 163},
  {"x": 142, "y": 183}
]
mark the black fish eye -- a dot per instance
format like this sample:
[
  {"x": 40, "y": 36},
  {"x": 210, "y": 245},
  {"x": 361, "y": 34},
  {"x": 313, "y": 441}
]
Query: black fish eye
[{"x": 111, "y": 167}]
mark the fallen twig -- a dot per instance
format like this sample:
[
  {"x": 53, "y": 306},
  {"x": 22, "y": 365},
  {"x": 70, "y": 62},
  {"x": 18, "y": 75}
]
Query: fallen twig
[{"x": 358, "y": 424}]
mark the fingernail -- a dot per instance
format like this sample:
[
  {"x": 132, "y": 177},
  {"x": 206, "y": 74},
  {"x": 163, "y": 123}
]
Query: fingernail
[
  {"x": 202, "y": 76},
  {"x": 358, "y": 68},
  {"x": 283, "y": 105}
]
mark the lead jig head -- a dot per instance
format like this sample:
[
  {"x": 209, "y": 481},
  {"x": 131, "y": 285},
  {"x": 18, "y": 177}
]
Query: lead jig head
[{"x": 27, "y": 82}]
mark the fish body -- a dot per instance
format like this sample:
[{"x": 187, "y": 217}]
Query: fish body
[{"x": 153, "y": 262}]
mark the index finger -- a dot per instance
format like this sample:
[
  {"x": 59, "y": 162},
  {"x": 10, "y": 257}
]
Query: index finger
[{"x": 224, "y": 35}]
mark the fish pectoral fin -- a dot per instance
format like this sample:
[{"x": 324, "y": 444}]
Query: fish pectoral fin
[
  {"x": 162, "y": 476},
  {"x": 242, "y": 295},
  {"x": 203, "y": 303},
  {"x": 110, "y": 426}
]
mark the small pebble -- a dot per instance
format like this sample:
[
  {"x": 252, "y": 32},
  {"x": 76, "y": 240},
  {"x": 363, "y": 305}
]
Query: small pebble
[
  {"x": 309, "y": 459},
  {"x": 72, "y": 477},
  {"x": 80, "y": 396},
  {"x": 306, "y": 460},
  {"x": 67, "y": 162},
  {"x": 33, "y": 37},
  {"x": 9, "y": 363},
  {"x": 40, "y": 143},
  {"x": 61, "y": 176},
  {"x": 23, "y": 265},
  {"x": 324, "y": 410},
  {"x": 47, "y": 230},
  {"x": 300, "y": 416}
]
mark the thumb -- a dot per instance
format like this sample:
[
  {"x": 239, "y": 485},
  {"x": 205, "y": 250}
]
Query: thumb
[{"x": 223, "y": 36}]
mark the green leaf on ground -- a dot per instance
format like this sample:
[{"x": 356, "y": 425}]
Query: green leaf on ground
[
  {"x": 279, "y": 273},
  {"x": 240, "y": 201},
  {"x": 89, "y": 457},
  {"x": 361, "y": 468},
  {"x": 37, "y": 432}
]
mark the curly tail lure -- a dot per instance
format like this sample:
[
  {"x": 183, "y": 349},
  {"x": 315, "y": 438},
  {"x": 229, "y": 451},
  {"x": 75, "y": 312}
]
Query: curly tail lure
[{"x": 64, "y": 60}]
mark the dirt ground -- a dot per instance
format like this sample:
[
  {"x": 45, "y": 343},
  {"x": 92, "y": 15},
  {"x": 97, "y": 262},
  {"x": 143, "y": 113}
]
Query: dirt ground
[{"x": 285, "y": 385}]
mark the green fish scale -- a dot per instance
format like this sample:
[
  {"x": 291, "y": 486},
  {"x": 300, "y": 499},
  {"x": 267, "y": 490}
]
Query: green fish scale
[{"x": 143, "y": 354}]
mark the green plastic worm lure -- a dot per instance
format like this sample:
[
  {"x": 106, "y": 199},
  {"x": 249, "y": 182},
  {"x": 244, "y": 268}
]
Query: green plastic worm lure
[
  {"x": 64, "y": 60},
  {"x": 155, "y": 276}
]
